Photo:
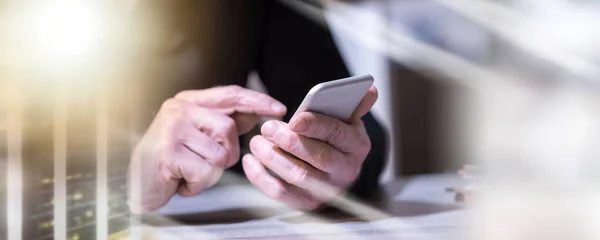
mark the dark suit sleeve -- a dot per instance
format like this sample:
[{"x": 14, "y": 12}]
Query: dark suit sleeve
[{"x": 296, "y": 54}]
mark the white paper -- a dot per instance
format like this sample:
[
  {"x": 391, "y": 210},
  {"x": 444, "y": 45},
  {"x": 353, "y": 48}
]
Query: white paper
[
  {"x": 427, "y": 188},
  {"x": 435, "y": 226},
  {"x": 220, "y": 198}
]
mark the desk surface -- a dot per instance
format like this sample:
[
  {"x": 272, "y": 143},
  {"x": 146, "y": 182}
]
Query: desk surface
[{"x": 410, "y": 208}]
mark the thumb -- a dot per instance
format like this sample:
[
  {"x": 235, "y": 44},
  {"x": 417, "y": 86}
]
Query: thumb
[{"x": 365, "y": 104}]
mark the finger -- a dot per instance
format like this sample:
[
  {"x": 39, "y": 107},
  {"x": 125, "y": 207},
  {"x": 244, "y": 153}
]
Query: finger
[
  {"x": 235, "y": 99},
  {"x": 207, "y": 148},
  {"x": 245, "y": 122},
  {"x": 162, "y": 179},
  {"x": 342, "y": 136},
  {"x": 196, "y": 173},
  {"x": 317, "y": 153},
  {"x": 365, "y": 104},
  {"x": 290, "y": 169},
  {"x": 218, "y": 127},
  {"x": 274, "y": 188}
]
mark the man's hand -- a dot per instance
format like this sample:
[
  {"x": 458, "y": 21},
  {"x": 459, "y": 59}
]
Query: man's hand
[
  {"x": 192, "y": 139},
  {"x": 328, "y": 156}
]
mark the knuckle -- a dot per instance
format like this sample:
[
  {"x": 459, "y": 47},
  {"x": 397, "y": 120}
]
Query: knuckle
[
  {"x": 337, "y": 133},
  {"x": 317, "y": 124},
  {"x": 228, "y": 94},
  {"x": 365, "y": 143},
  {"x": 193, "y": 176},
  {"x": 228, "y": 126},
  {"x": 222, "y": 155},
  {"x": 325, "y": 157},
  {"x": 234, "y": 91},
  {"x": 173, "y": 110},
  {"x": 300, "y": 175},
  {"x": 183, "y": 94},
  {"x": 273, "y": 156},
  {"x": 290, "y": 142},
  {"x": 254, "y": 177},
  {"x": 171, "y": 105},
  {"x": 165, "y": 171},
  {"x": 168, "y": 170},
  {"x": 233, "y": 88},
  {"x": 277, "y": 191}
]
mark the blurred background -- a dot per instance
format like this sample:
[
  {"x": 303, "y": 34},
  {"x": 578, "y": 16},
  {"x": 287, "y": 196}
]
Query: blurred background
[{"x": 511, "y": 86}]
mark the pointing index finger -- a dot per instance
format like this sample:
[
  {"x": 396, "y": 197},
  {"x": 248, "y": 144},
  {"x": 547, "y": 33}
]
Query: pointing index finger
[{"x": 235, "y": 99}]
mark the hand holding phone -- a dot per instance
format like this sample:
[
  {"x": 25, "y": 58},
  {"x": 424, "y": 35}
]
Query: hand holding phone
[
  {"x": 337, "y": 99},
  {"x": 320, "y": 151}
]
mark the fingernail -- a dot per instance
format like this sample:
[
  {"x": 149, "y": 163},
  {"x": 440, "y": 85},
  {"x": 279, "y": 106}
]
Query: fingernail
[
  {"x": 300, "y": 125},
  {"x": 278, "y": 107},
  {"x": 268, "y": 129}
]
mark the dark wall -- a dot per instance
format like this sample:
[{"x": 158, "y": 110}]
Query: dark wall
[{"x": 416, "y": 100}]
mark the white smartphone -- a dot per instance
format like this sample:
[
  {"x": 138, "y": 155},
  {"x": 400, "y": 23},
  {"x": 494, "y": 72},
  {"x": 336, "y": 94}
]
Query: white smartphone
[{"x": 337, "y": 98}]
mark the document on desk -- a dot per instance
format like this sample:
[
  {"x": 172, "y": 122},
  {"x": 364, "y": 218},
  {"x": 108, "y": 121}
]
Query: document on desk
[
  {"x": 436, "y": 226},
  {"x": 425, "y": 188},
  {"x": 218, "y": 199}
]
